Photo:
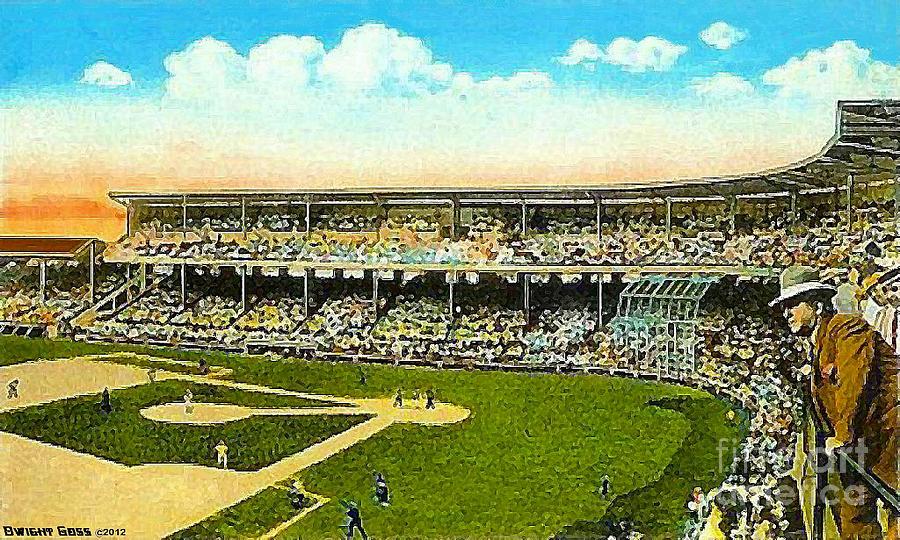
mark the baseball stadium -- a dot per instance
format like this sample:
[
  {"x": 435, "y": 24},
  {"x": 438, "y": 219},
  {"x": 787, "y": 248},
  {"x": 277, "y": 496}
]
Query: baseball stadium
[{"x": 544, "y": 362}]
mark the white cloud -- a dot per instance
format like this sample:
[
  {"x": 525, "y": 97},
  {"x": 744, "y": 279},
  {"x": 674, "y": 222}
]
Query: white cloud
[
  {"x": 284, "y": 63},
  {"x": 376, "y": 59},
  {"x": 721, "y": 35},
  {"x": 649, "y": 54},
  {"x": 582, "y": 52},
  {"x": 370, "y": 60},
  {"x": 207, "y": 68},
  {"x": 105, "y": 74},
  {"x": 843, "y": 70},
  {"x": 722, "y": 85},
  {"x": 517, "y": 83}
]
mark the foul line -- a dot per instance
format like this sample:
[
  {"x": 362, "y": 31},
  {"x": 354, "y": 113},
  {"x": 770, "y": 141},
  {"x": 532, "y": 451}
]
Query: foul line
[{"x": 280, "y": 528}]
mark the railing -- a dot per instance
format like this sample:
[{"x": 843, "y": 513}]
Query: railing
[
  {"x": 888, "y": 495},
  {"x": 138, "y": 281}
]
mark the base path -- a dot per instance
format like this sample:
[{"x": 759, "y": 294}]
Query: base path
[{"x": 42, "y": 485}]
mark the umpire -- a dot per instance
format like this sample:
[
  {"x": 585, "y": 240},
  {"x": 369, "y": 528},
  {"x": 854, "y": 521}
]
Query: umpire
[{"x": 854, "y": 397}]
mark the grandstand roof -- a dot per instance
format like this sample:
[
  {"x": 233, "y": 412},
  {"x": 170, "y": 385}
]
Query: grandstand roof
[
  {"x": 43, "y": 247},
  {"x": 866, "y": 145}
]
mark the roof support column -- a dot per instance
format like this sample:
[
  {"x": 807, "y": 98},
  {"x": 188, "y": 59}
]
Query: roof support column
[
  {"x": 129, "y": 216},
  {"x": 143, "y": 281},
  {"x": 375, "y": 291},
  {"x": 243, "y": 288},
  {"x": 244, "y": 216},
  {"x": 794, "y": 216},
  {"x": 184, "y": 211},
  {"x": 850, "y": 215},
  {"x": 526, "y": 297},
  {"x": 452, "y": 299},
  {"x": 92, "y": 254},
  {"x": 306, "y": 293},
  {"x": 42, "y": 279},
  {"x": 307, "y": 219},
  {"x": 599, "y": 301},
  {"x": 382, "y": 219},
  {"x": 836, "y": 205},
  {"x": 454, "y": 217},
  {"x": 668, "y": 218},
  {"x": 897, "y": 198},
  {"x": 524, "y": 219},
  {"x": 732, "y": 213},
  {"x": 127, "y": 279},
  {"x": 183, "y": 286},
  {"x": 599, "y": 219}
]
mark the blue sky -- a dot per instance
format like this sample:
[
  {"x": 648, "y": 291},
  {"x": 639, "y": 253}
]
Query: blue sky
[{"x": 47, "y": 45}]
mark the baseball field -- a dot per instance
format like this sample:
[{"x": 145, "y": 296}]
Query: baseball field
[{"x": 501, "y": 454}]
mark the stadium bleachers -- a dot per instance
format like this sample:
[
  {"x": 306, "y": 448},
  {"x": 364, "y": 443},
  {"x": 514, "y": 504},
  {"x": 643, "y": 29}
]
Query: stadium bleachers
[{"x": 514, "y": 279}]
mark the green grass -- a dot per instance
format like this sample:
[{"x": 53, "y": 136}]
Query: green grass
[
  {"x": 649, "y": 508},
  {"x": 526, "y": 464},
  {"x": 16, "y": 349},
  {"x": 249, "y": 518},
  {"x": 128, "y": 438}
]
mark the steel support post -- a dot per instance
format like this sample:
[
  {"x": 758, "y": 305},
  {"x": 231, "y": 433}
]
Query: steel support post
[
  {"x": 732, "y": 213},
  {"x": 129, "y": 215},
  {"x": 526, "y": 297},
  {"x": 306, "y": 293},
  {"x": 599, "y": 300},
  {"x": 307, "y": 218},
  {"x": 243, "y": 288},
  {"x": 897, "y": 198},
  {"x": 375, "y": 291},
  {"x": 92, "y": 254},
  {"x": 42, "y": 277},
  {"x": 850, "y": 215},
  {"x": 183, "y": 286},
  {"x": 452, "y": 300},
  {"x": 244, "y": 216},
  {"x": 668, "y": 218},
  {"x": 794, "y": 216},
  {"x": 524, "y": 220}
]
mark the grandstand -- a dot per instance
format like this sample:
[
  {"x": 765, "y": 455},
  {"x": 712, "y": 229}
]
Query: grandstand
[
  {"x": 44, "y": 282},
  {"x": 665, "y": 280},
  {"x": 258, "y": 270}
]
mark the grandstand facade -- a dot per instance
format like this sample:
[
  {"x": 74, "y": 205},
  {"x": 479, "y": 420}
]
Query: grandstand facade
[
  {"x": 44, "y": 280},
  {"x": 227, "y": 251}
]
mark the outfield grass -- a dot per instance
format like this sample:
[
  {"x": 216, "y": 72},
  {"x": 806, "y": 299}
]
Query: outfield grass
[
  {"x": 528, "y": 461},
  {"x": 249, "y": 518},
  {"x": 127, "y": 437}
]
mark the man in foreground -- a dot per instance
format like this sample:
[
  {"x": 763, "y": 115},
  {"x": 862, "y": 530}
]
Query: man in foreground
[{"x": 855, "y": 397}]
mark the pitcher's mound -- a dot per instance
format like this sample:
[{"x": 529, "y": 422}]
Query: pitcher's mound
[{"x": 203, "y": 413}]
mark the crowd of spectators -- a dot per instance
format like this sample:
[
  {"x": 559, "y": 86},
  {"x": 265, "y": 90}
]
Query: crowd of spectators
[
  {"x": 757, "y": 365},
  {"x": 495, "y": 236},
  {"x": 271, "y": 318},
  {"x": 65, "y": 295}
]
